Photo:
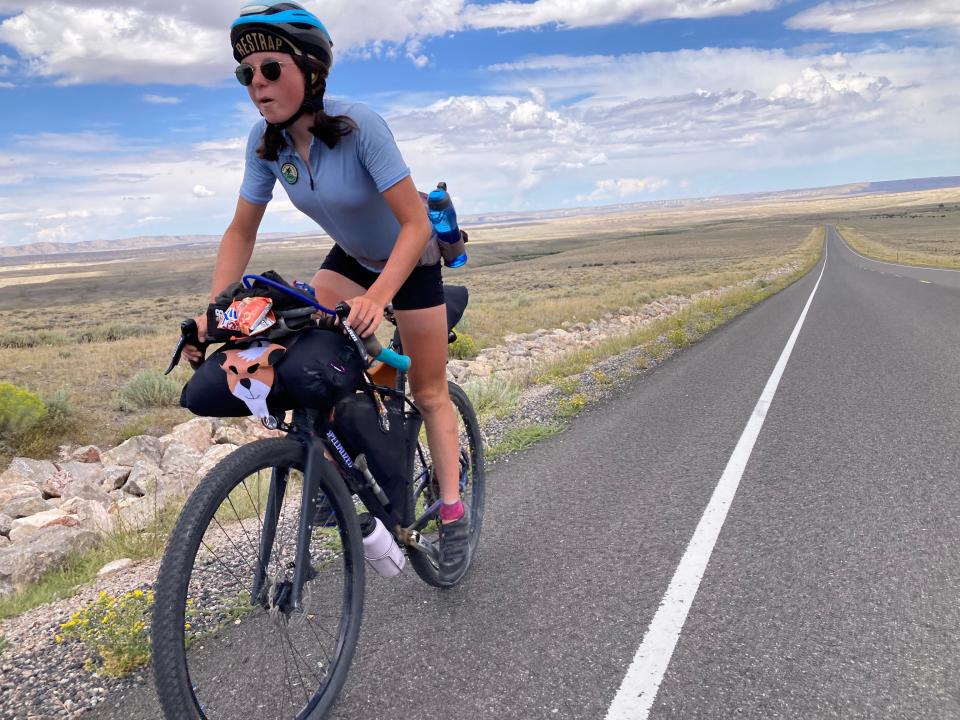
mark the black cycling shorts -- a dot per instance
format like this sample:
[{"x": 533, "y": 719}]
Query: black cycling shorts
[{"x": 422, "y": 289}]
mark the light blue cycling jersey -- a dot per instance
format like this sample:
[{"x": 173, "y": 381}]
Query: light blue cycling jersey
[{"x": 341, "y": 188}]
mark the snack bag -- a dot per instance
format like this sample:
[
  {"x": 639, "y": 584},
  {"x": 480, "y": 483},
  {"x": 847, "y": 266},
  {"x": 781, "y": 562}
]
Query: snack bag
[{"x": 248, "y": 316}]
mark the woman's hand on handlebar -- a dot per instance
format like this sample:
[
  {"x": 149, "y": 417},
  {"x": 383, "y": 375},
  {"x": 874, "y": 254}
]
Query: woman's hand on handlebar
[
  {"x": 193, "y": 354},
  {"x": 366, "y": 312}
]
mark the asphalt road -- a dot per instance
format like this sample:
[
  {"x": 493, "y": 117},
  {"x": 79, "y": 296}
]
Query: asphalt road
[{"x": 831, "y": 592}]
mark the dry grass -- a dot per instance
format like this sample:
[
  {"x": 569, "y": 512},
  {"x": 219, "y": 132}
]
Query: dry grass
[
  {"x": 923, "y": 235},
  {"x": 521, "y": 277}
]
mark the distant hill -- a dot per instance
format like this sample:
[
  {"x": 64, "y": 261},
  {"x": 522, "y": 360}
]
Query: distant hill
[
  {"x": 832, "y": 191},
  {"x": 184, "y": 242}
]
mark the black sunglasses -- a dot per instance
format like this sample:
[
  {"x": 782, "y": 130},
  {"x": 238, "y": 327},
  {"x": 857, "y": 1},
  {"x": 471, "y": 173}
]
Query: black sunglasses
[{"x": 270, "y": 70}]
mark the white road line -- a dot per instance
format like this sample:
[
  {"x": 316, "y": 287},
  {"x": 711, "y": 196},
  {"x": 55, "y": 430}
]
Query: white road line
[
  {"x": 928, "y": 282},
  {"x": 642, "y": 681}
]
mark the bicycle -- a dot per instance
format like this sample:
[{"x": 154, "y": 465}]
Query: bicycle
[{"x": 236, "y": 609}]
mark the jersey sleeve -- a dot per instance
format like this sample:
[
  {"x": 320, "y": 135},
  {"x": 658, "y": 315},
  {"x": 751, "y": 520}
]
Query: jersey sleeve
[
  {"x": 378, "y": 149},
  {"x": 258, "y": 178}
]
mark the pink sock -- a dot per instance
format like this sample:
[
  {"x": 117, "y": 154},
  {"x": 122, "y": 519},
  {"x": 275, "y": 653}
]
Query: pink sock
[{"x": 451, "y": 511}]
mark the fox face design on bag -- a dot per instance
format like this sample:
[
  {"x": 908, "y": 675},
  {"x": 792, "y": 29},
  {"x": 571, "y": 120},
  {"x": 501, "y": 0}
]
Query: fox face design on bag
[{"x": 250, "y": 373}]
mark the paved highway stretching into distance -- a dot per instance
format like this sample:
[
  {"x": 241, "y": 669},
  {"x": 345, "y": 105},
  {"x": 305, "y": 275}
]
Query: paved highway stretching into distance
[{"x": 766, "y": 526}]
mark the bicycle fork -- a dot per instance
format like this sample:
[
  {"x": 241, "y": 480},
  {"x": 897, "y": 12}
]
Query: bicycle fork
[{"x": 287, "y": 595}]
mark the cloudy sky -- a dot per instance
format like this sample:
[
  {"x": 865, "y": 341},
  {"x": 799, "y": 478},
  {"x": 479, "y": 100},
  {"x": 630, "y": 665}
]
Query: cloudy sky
[{"x": 123, "y": 118}]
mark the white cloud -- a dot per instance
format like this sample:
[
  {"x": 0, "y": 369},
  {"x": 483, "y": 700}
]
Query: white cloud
[
  {"x": 867, "y": 16},
  {"x": 93, "y": 44},
  {"x": 162, "y": 100},
  {"x": 201, "y": 192},
  {"x": 586, "y": 13},
  {"x": 677, "y": 117},
  {"x": 621, "y": 188}
]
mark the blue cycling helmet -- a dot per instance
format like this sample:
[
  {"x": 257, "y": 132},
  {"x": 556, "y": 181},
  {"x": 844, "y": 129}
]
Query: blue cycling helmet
[{"x": 280, "y": 27}]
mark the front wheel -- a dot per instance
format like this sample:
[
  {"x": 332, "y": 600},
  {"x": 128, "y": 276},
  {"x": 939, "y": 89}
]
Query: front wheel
[
  {"x": 426, "y": 490},
  {"x": 227, "y": 641}
]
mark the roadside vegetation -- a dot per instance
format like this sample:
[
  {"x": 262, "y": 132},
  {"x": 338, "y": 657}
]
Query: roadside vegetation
[
  {"x": 108, "y": 346},
  {"x": 925, "y": 235}
]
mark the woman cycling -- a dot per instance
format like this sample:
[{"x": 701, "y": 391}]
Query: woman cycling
[{"x": 340, "y": 165}]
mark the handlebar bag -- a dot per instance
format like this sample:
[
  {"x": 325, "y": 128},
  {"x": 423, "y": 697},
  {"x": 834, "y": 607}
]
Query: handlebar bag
[{"x": 313, "y": 368}]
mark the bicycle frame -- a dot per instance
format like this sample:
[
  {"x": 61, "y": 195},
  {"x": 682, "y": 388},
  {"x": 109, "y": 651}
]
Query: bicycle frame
[{"x": 313, "y": 429}]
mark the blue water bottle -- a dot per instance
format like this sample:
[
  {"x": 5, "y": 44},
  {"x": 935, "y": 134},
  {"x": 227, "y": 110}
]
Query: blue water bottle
[{"x": 444, "y": 220}]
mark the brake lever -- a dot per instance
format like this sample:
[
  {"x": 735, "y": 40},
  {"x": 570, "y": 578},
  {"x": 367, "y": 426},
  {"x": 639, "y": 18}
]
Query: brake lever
[
  {"x": 343, "y": 310},
  {"x": 189, "y": 335}
]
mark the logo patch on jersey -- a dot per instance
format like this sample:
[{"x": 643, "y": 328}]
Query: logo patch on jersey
[{"x": 289, "y": 172}]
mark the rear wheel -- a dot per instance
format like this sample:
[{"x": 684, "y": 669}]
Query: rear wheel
[
  {"x": 218, "y": 650},
  {"x": 426, "y": 490}
]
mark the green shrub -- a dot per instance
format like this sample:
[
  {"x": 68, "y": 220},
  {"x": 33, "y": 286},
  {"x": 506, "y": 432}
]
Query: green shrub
[
  {"x": 149, "y": 388},
  {"x": 571, "y": 406},
  {"x": 58, "y": 422},
  {"x": 492, "y": 397},
  {"x": 678, "y": 337},
  {"x": 20, "y": 411},
  {"x": 115, "y": 628},
  {"x": 464, "y": 347}
]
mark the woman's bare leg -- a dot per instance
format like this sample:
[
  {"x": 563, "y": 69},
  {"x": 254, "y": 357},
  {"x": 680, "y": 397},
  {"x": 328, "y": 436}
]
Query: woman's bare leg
[{"x": 424, "y": 337}]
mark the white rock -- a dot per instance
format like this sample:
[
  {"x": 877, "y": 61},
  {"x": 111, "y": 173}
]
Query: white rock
[
  {"x": 144, "y": 478},
  {"x": 87, "y": 472},
  {"x": 91, "y": 514},
  {"x": 139, "y": 448},
  {"x": 5, "y": 524},
  {"x": 113, "y": 477},
  {"x": 25, "y": 470},
  {"x": 21, "y": 500},
  {"x": 86, "y": 491},
  {"x": 23, "y": 563},
  {"x": 196, "y": 433},
  {"x": 181, "y": 461},
  {"x": 231, "y": 434},
  {"x": 211, "y": 457},
  {"x": 22, "y": 528},
  {"x": 112, "y": 567}
]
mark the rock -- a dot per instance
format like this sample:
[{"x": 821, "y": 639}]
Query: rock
[
  {"x": 113, "y": 477},
  {"x": 88, "y": 472},
  {"x": 196, "y": 433},
  {"x": 112, "y": 567},
  {"x": 255, "y": 431},
  {"x": 4, "y": 540},
  {"x": 137, "y": 449},
  {"x": 140, "y": 513},
  {"x": 22, "y": 528},
  {"x": 23, "y": 563},
  {"x": 86, "y": 454},
  {"x": 52, "y": 486},
  {"x": 21, "y": 500},
  {"x": 25, "y": 470},
  {"x": 212, "y": 456},
  {"x": 91, "y": 514},
  {"x": 86, "y": 491},
  {"x": 181, "y": 461},
  {"x": 232, "y": 434},
  {"x": 144, "y": 478},
  {"x": 5, "y": 524}
]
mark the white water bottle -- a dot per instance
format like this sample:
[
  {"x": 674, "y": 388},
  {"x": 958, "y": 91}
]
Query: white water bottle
[{"x": 379, "y": 547}]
